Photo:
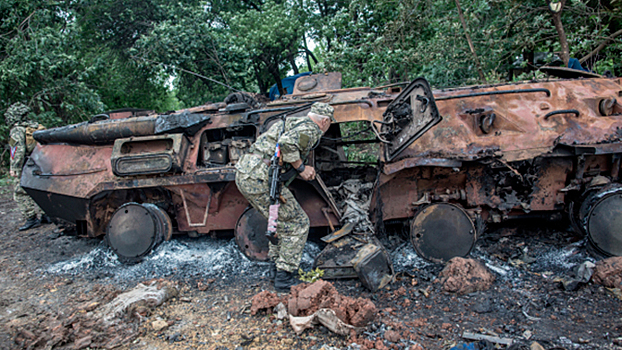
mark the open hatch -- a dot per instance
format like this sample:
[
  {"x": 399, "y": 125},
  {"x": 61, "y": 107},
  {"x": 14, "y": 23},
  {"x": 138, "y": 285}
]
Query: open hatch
[{"x": 410, "y": 115}]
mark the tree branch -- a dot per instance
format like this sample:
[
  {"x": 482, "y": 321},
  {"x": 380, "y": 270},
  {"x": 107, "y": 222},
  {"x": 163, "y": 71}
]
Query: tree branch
[
  {"x": 466, "y": 33},
  {"x": 600, "y": 46},
  {"x": 557, "y": 20}
]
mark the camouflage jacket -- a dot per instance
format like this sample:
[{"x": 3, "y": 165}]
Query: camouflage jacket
[
  {"x": 22, "y": 143},
  {"x": 300, "y": 136}
]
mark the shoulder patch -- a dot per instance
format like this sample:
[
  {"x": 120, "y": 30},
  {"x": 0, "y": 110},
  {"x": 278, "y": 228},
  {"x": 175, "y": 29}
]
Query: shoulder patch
[{"x": 304, "y": 140}]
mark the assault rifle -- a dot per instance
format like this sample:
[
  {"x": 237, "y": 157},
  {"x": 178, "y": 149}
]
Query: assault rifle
[
  {"x": 277, "y": 179},
  {"x": 275, "y": 190}
]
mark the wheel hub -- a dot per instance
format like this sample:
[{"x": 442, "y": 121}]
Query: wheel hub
[
  {"x": 604, "y": 224},
  {"x": 442, "y": 231},
  {"x": 250, "y": 235},
  {"x": 133, "y": 231}
]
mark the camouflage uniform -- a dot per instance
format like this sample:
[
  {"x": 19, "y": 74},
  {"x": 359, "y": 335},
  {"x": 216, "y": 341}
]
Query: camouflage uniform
[
  {"x": 301, "y": 135},
  {"x": 22, "y": 144}
]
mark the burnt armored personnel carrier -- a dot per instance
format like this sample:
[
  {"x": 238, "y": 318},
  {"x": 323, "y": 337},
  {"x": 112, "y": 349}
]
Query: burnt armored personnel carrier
[{"x": 447, "y": 162}]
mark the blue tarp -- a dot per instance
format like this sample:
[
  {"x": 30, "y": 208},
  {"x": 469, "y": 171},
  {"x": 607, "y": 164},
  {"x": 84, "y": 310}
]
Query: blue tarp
[
  {"x": 288, "y": 85},
  {"x": 575, "y": 64}
]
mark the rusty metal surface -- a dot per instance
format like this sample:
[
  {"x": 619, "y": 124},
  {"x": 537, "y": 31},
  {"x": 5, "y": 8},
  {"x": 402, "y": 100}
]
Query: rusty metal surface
[
  {"x": 250, "y": 235},
  {"x": 163, "y": 220},
  {"x": 344, "y": 231},
  {"x": 336, "y": 258},
  {"x": 600, "y": 217},
  {"x": 497, "y": 152},
  {"x": 519, "y": 131},
  {"x": 373, "y": 266},
  {"x": 149, "y": 154},
  {"x": 408, "y": 117},
  {"x": 317, "y": 82}
]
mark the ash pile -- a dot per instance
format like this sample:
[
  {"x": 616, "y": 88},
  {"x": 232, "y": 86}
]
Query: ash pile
[
  {"x": 183, "y": 257},
  {"x": 353, "y": 250}
]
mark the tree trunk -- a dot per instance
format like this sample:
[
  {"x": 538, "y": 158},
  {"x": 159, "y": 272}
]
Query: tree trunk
[
  {"x": 482, "y": 78},
  {"x": 263, "y": 87},
  {"x": 292, "y": 62},
  {"x": 304, "y": 40},
  {"x": 557, "y": 20},
  {"x": 273, "y": 69}
]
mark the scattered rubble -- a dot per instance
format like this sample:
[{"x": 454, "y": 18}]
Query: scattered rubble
[
  {"x": 463, "y": 276},
  {"x": 305, "y": 299},
  {"x": 107, "y": 320},
  {"x": 608, "y": 272},
  {"x": 264, "y": 301},
  {"x": 213, "y": 309},
  {"x": 317, "y": 303}
]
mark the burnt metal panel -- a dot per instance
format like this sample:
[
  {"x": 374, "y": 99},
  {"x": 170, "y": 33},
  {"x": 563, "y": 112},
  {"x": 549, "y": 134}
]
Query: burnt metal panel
[
  {"x": 408, "y": 117},
  {"x": 149, "y": 154},
  {"x": 60, "y": 206}
]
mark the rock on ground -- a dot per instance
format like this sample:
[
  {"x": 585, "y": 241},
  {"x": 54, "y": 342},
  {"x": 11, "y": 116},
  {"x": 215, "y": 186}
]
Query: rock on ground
[
  {"x": 608, "y": 272},
  {"x": 264, "y": 301},
  {"x": 465, "y": 276},
  {"x": 306, "y": 299}
]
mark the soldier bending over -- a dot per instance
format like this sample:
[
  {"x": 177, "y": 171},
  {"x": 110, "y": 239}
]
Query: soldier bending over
[{"x": 300, "y": 136}]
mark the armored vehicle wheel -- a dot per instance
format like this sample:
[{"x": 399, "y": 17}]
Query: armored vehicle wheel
[
  {"x": 603, "y": 221},
  {"x": 250, "y": 235},
  {"x": 135, "y": 229},
  {"x": 164, "y": 221},
  {"x": 442, "y": 231}
]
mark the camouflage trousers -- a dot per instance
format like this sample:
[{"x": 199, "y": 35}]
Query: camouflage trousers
[
  {"x": 293, "y": 223},
  {"x": 25, "y": 203}
]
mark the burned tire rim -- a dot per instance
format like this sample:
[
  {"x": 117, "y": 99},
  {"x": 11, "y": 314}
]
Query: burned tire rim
[
  {"x": 442, "y": 231},
  {"x": 164, "y": 222},
  {"x": 250, "y": 235},
  {"x": 133, "y": 231},
  {"x": 604, "y": 221}
]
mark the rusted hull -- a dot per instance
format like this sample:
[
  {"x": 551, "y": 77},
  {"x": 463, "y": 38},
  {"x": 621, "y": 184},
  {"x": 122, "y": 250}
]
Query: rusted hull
[
  {"x": 495, "y": 152},
  {"x": 521, "y": 129}
]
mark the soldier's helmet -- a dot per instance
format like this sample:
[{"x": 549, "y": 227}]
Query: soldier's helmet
[
  {"x": 322, "y": 108},
  {"x": 16, "y": 113}
]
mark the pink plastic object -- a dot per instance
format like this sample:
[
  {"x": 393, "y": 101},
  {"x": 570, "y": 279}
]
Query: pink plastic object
[{"x": 273, "y": 216}]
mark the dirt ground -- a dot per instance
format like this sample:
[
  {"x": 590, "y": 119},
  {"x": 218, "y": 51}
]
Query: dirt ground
[{"x": 49, "y": 279}]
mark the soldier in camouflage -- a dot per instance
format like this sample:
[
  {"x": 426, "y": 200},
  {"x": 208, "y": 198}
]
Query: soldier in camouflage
[
  {"x": 300, "y": 136},
  {"x": 22, "y": 144}
]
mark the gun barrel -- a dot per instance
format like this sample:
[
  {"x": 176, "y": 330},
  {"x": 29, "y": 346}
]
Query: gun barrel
[
  {"x": 99, "y": 132},
  {"x": 106, "y": 131}
]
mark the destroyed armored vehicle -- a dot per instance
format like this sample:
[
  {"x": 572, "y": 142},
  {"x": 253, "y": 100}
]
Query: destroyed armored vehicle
[{"x": 447, "y": 162}]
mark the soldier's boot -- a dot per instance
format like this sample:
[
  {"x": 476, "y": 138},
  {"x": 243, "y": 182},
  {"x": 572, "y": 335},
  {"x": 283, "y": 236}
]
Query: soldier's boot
[
  {"x": 285, "y": 280},
  {"x": 272, "y": 271},
  {"x": 46, "y": 219},
  {"x": 30, "y": 223}
]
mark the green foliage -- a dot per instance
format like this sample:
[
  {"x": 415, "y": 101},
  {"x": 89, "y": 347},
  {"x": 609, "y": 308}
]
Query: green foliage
[
  {"x": 270, "y": 36},
  {"x": 310, "y": 276},
  {"x": 70, "y": 59},
  {"x": 383, "y": 41},
  {"x": 359, "y": 131}
]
